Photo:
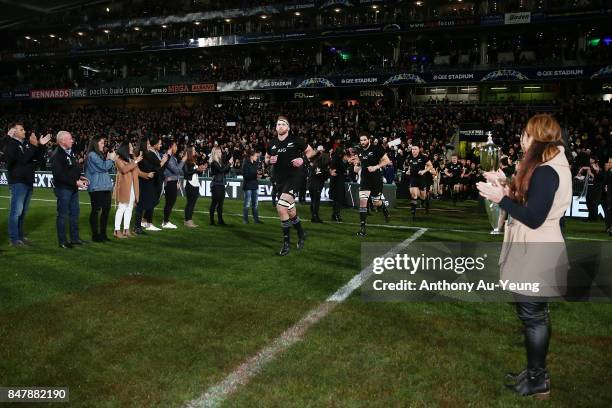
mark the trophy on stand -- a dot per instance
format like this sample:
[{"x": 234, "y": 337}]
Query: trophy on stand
[{"x": 489, "y": 161}]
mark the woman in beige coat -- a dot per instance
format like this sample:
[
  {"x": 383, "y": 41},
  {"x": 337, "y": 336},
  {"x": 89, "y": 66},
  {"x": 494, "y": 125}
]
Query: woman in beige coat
[
  {"x": 534, "y": 259},
  {"x": 126, "y": 191}
]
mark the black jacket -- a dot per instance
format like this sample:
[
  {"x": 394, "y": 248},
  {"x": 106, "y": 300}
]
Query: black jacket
[
  {"x": 249, "y": 172},
  {"x": 218, "y": 172},
  {"x": 150, "y": 163},
  {"x": 22, "y": 158},
  {"x": 66, "y": 170}
]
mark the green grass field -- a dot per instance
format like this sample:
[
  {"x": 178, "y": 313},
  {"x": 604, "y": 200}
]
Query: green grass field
[{"x": 156, "y": 320}]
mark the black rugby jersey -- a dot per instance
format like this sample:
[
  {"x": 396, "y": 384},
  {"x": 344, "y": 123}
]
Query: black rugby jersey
[
  {"x": 370, "y": 157},
  {"x": 287, "y": 150}
]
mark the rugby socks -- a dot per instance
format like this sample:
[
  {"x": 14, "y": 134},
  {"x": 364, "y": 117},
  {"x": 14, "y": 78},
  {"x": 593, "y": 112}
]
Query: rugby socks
[
  {"x": 286, "y": 225},
  {"x": 298, "y": 225},
  {"x": 385, "y": 210},
  {"x": 363, "y": 215}
]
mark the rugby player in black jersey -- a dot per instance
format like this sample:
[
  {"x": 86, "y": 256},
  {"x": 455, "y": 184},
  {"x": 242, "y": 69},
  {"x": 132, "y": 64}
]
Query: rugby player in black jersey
[
  {"x": 369, "y": 160},
  {"x": 418, "y": 165},
  {"x": 286, "y": 153},
  {"x": 454, "y": 170}
]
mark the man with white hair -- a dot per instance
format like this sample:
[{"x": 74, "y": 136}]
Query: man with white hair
[
  {"x": 22, "y": 158},
  {"x": 67, "y": 180}
]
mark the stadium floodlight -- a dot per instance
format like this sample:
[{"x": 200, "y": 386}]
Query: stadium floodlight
[
  {"x": 164, "y": 26},
  {"x": 297, "y": 13},
  {"x": 27, "y": 37},
  {"x": 108, "y": 9},
  {"x": 419, "y": 3},
  {"x": 51, "y": 35},
  {"x": 374, "y": 6},
  {"x": 438, "y": 90},
  {"x": 80, "y": 33},
  {"x": 337, "y": 10},
  {"x": 532, "y": 87},
  {"x": 499, "y": 88},
  {"x": 136, "y": 28},
  {"x": 227, "y": 20},
  {"x": 263, "y": 16},
  {"x": 197, "y": 23},
  {"x": 106, "y": 31}
]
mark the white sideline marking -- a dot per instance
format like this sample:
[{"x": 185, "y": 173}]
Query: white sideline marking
[
  {"x": 400, "y": 227},
  {"x": 216, "y": 394}
]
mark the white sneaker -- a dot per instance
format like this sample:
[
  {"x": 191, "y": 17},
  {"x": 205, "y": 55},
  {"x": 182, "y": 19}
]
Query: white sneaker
[
  {"x": 144, "y": 224},
  {"x": 169, "y": 225},
  {"x": 152, "y": 227},
  {"x": 496, "y": 231}
]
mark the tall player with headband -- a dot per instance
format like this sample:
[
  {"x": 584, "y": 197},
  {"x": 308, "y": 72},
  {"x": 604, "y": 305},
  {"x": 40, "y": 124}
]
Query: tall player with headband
[{"x": 286, "y": 153}]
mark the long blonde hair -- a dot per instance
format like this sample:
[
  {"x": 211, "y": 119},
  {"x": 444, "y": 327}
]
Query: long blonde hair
[{"x": 216, "y": 154}]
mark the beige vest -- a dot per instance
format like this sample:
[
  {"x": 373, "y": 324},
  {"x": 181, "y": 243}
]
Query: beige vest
[{"x": 538, "y": 256}]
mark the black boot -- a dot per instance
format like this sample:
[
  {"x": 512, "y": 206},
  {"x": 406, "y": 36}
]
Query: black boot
[
  {"x": 515, "y": 378},
  {"x": 301, "y": 239},
  {"x": 362, "y": 231},
  {"x": 413, "y": 206},
  {"x": 427, "y": 205},
  {"x": 285, "y": 249},
  {"x": 535, "y": 382},
  {"x": 386, "y": 213}
]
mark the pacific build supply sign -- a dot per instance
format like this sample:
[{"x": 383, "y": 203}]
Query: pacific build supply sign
[{"x": 116, "y": 91}]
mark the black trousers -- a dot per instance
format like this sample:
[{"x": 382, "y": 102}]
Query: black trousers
[
  {"x": 218, "y": 196},
  {"x": 593, "y": 199},
  {"x": 315, "y": 201},
  {"x": 100, "y": 209},
  {"x": 171, "y": 191},
  {"x": 192, "y": 194},
  {"x": 536, "y": 321}
]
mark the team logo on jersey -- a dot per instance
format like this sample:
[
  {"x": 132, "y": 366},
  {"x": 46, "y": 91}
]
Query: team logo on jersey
[{"x": 290, "y": 144}]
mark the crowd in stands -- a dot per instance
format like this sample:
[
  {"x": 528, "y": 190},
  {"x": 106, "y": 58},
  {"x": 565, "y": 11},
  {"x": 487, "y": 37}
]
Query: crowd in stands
[{"x": 346, "y": 57}]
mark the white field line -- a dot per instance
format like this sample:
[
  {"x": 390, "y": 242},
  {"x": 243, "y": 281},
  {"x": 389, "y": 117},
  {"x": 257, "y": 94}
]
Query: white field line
[
  {"x": 388, "y": 226},
  {"x": 241, "y": 376}
]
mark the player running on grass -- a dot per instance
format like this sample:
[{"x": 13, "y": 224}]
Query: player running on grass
[
  {"x": 418, "y": 166},
  {"x": 370, "y": 159},
  {"x": 286, "y": 153}
]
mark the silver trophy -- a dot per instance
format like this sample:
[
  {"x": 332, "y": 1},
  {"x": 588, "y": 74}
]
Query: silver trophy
[{"x": 489, "y": 161}]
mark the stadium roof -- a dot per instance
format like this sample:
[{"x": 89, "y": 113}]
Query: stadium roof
[{"x": 16, "y": 11}]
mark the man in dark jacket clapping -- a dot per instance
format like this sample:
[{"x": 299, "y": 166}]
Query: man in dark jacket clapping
[
  {"x": 67, "y": 180},
  {"x": 22, "y": 158}
]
